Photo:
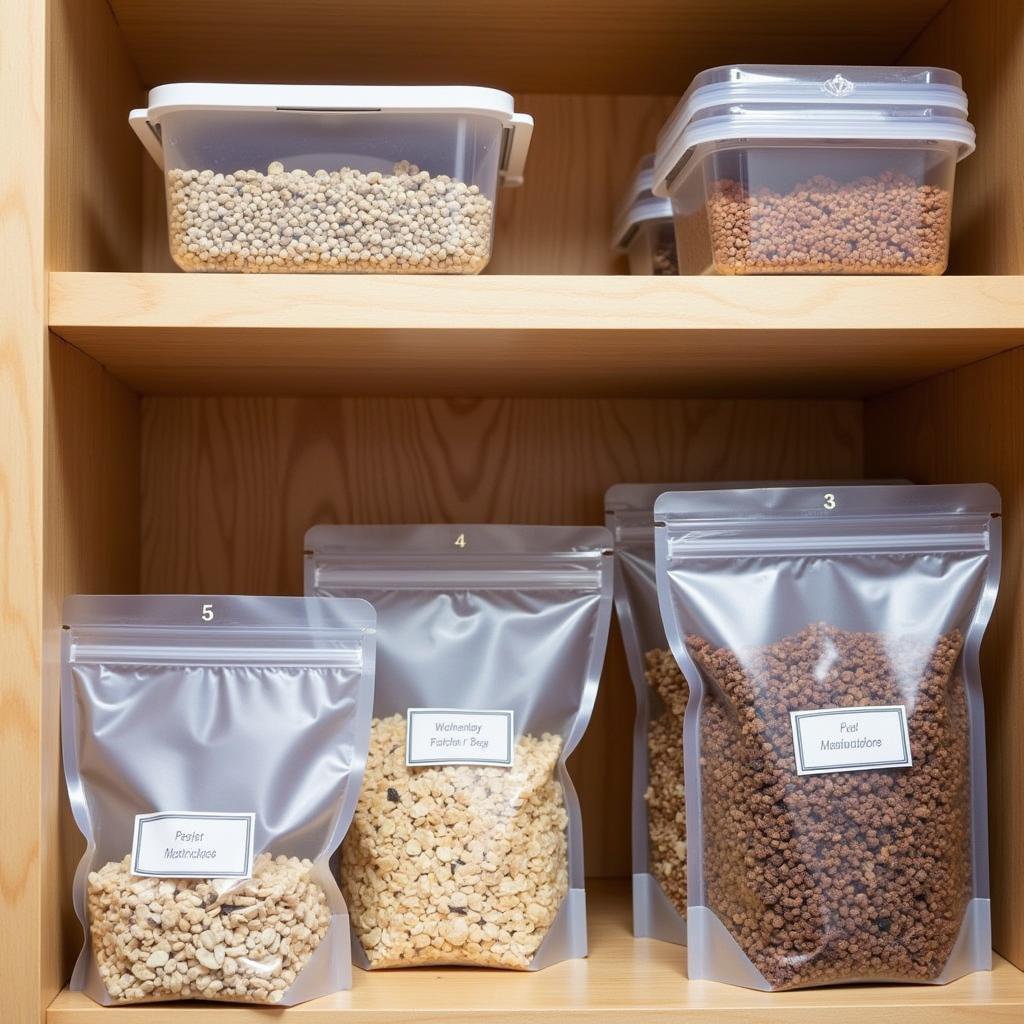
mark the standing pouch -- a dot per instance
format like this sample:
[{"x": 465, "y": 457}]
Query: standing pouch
[
  {"x": 467, "y": 846},
  {"x": 213, "y": 749},
  {"x": 658, "y": 794},
  {"x": 658, "y": 806},
  {"x": 834, "y": 735}
]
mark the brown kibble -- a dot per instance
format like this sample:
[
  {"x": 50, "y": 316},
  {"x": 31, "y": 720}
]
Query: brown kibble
[
  {"x": 181, "y": 943},
  {"x": 666, "y": 805},
  {"x": 474, "y": 869},
  {"x": 889, "y": 224},
  {"x": 663, "y": 260},
  {"x": 862, "y": 875}
]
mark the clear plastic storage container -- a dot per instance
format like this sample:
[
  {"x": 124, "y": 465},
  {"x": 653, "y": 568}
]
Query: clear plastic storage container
[
  {"x": 643, "y": 226},
  {"x": 333, "y": 179},
  {"x": 814, "y": 170}
]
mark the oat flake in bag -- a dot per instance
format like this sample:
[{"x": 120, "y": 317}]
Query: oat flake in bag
[
  {"x": 834, "y": 735},
  {"x": 466, "y": 847},
  {"x": 213, "y": 749}
]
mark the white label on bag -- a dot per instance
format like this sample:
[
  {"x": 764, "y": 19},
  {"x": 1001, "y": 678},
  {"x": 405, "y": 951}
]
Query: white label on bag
[
  {"x": 453, "y": 736},
  {"x": 191, "y": 845},
  {"x": 850, "y": 739}
]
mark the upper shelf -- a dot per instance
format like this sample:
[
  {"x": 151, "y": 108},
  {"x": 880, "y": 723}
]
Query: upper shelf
[
  {"x": 566, "y": 46},
  {"x": 560, "y": 336}
]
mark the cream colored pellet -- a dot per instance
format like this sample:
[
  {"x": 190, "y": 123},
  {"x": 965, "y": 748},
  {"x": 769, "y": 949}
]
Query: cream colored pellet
[
  {"x": 327, "y": 222},
  {"x": 180, "y": 938}
]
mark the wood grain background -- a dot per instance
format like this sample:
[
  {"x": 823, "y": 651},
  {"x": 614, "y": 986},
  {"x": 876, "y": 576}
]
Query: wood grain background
[
  {"x": 582, "y": 157},
  {"x": 92, "y": 547},
  {"x": 230, "y": 485},
  {"x": 984, "y": 41},
  {"x": 591, "y": 46}
]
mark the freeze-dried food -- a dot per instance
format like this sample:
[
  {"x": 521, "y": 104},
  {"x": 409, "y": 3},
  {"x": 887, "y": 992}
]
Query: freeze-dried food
[{"x": 467, "y": 844}]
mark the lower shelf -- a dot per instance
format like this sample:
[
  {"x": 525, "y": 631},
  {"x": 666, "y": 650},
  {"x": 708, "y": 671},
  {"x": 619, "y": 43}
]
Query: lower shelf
[{"x": 624, "y": 979}]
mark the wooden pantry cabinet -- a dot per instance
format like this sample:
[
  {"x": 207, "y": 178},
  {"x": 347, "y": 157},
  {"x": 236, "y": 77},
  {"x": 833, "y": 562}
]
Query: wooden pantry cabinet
[{"x": 172, "y": 433}]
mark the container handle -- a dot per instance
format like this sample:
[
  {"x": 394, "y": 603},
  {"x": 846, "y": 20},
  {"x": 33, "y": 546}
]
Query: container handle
[
  {"x": 139, "y": 120},
  {"x": 521, "y": 130}
]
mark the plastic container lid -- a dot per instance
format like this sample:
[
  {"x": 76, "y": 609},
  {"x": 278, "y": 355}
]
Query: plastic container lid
[
  {"x": 344, "y": 99},
  {"x": 764, "y": 101},
  {"x": 639, "y": 205}
]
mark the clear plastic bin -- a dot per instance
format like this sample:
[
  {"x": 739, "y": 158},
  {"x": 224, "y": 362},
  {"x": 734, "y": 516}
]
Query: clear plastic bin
[
  {"x": 644, "y": 228},
  {"x": 333, "y": 179},
  {"x": 814, "y": 170}
]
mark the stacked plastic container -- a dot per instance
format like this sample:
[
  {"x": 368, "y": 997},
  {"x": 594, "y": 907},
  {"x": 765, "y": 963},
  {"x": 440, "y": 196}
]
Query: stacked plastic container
[
  {"x": 333, "y": 179},
  {"x": 814, "y": 170},
  {"x": 643, "y": 226}
]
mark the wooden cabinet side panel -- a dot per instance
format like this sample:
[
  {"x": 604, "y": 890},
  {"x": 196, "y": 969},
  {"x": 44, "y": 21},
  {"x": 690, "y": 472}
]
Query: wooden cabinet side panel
[
  {"x": 984, "y": 41},
  {"x": 91, "y": 531},
  {"x": 93, "y": 180},
  {"x": 582, "y": 158},
  {"x": 27, "y": 980},
  {"x": 968, "y": 426},
  {"x": 230, "y": 485}
]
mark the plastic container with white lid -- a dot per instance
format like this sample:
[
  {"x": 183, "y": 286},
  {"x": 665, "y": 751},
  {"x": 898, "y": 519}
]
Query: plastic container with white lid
[
  {"x": 643, "y": 226},
  {"x": 814, "y": 169},
  {"x": 333, "y": 178}
]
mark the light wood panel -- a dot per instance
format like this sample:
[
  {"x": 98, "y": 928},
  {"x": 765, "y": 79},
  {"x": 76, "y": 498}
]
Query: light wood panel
[
  {"x": 582, "y": 158},
  {"x": 984, "y": 41},
  {"x": 88, "y": 469},
  {"x": 969, "y": 426},
  {"x": 93, "y": 160},
  {"x": 92, "y": 547},
  {"x": 228, "y": 334},
  {"x": 646, "y": 46},
  {"x": 229, "y": 487},
  {"x": 624, "y": 980},
  {"x": 28, "y": 977}
]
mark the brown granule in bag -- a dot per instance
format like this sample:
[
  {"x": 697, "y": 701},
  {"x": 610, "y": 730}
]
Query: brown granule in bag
[
  {"x": 666, "y": 804},
  {"x": 848, "y": 876}
]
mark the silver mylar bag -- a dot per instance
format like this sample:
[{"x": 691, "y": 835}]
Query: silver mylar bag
[
  {"x": 484, "y": 617},
  {"x": 834, "y": 736},
  {"x": 245, "y": 714},
  {"x": 629, "y": 515}
]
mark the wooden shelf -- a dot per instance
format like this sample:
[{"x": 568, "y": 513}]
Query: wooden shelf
[
  {"x": 624, "y": 979},
  {"x": 497, "y": 335}
]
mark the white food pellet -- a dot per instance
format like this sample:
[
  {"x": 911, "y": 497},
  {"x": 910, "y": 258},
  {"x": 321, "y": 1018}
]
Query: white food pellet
[{"x": 343, "y": 221}]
